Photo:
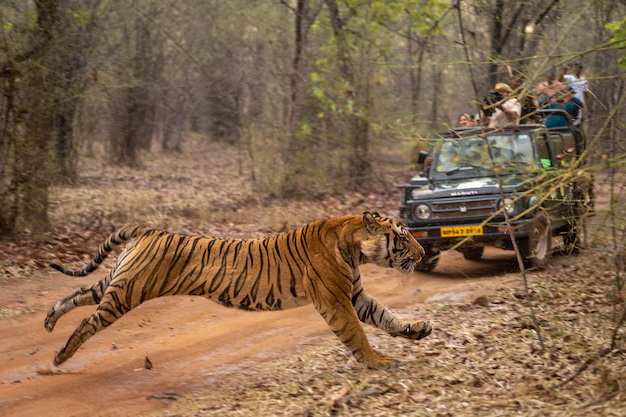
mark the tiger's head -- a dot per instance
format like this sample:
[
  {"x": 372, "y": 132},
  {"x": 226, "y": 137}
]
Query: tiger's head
[{"x": 389, "y": 244}]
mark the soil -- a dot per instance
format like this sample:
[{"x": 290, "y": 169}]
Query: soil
[
  {"x": 191, "y": 343},
  {"x": 189, "y": 340}
]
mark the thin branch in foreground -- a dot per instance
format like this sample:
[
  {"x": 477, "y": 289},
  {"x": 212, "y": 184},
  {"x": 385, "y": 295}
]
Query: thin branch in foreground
[{"x": 601, "y": 353}]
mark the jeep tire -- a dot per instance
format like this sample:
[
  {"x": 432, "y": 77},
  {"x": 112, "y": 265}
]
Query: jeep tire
[
  {"x": 535, "y": 249},
  {"x": 472, "y": 253},
  {"x": 430, "y": 259}
]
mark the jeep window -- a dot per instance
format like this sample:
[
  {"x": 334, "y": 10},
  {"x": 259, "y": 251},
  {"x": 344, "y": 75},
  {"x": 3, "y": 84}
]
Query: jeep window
[
  {"x": 471, "y": 154},
  {"x": 543, "y": 151}
]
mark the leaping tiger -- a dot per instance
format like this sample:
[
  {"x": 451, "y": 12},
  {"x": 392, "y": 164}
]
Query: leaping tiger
[{"x": 317, "y": 263}]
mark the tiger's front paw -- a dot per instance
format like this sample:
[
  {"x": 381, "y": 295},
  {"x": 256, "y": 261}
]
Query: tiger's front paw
[
  {"x": 379, "y": 361},
  {"x": 382, "y": 362},
  {"x": 53, "y": 315},
  {"x": 51, "y": 319},
  {"x": 415, "y": 330}
]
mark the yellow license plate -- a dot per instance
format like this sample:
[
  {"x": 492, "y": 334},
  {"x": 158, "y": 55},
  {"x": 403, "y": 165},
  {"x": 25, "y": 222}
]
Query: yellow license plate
[{"x": 461, "y": 231}]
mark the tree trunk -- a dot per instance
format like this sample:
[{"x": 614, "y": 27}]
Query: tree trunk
[
  {"x": 132, "y": 128},
  {"x": 38, "y": 119},
  {"x": 437, "y": 84},
  {"x": 174, "y": 121},
  {"x": 296, "y": 74},
  {"x": 142, "y": 108},
  {"x": 69, "y": 62},
  {"x": 358, "y": 124},
  {"x": 496, "y": 41},
  {"x": 34, "y": 150},
  {"x": 125, "y": 124}
]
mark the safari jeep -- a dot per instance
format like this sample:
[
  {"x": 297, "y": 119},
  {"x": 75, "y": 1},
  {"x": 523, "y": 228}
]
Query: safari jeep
[{"x": 456, "y": 203}]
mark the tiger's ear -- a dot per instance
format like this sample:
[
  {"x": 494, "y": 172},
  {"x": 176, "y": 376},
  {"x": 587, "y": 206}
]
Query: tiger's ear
[{"x": 370, "y": 222}]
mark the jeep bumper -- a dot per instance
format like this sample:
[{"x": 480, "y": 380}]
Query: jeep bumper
[{"x": 445, "y": 236}]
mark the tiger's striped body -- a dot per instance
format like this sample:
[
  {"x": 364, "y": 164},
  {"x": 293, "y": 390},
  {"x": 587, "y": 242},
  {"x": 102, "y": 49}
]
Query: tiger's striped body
[{"x": 317, "y": 263}]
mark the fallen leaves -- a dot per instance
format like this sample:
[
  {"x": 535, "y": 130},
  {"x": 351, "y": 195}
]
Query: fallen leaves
[
  {"x": 483, "y": 360},
  {"x": 195, "y": 193}
]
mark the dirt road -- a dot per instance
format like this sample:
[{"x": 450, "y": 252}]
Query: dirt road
[{"x": 189, "y": 340}]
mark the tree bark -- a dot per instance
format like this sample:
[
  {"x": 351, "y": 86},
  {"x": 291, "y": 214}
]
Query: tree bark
[{"x": 359, "y": 126}]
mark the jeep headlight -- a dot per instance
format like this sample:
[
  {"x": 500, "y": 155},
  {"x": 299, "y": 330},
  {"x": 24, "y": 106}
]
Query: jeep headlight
[
  {"x": 422, "y": 211},
  {"x": 508, "y": 204},
  {"x": 533, "y": 201}
]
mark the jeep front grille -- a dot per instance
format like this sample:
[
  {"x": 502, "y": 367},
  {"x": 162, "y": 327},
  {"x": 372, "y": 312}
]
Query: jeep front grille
[{"x": 464, "y": 209}]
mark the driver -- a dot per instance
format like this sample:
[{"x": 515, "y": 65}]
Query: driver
[
  {"x": 448, "y": 158},
  {"x": 475, "y": 151}
]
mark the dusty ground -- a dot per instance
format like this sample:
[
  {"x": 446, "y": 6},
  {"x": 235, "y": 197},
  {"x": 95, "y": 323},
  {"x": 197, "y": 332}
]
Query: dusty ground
[
  {"x": 191, "y": 342},
  {"x": 480, "y": 360}
]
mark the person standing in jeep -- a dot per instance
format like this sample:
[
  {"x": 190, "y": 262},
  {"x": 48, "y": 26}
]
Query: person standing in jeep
[
  {"x": 525, "y": 97},
  {"x": 579, "y": 84},
  {"x": 504, "y": 113}
]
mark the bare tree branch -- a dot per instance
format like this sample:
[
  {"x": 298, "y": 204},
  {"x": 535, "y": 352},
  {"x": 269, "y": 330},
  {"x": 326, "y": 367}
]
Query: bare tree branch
[{"x": 542, "y": 16}]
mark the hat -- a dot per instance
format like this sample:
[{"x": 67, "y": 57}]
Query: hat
[{"x": 503, "y": 87}]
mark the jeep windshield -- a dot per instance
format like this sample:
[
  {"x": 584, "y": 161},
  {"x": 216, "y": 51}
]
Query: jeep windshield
[{"x": 469, "y": 157}]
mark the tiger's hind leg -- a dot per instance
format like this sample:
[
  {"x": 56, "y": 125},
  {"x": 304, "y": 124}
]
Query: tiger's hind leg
[
  {"x": 116, "y": 302},
  {"x": 82, "y": 297},
  {"x": 370, "y": 311},
  {"x": 109, "y": 310}
]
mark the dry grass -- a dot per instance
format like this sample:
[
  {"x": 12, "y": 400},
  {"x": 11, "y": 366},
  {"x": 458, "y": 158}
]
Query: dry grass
[
  {"x": 207, "y": 189},
  {"x": 481, "y": 360}
]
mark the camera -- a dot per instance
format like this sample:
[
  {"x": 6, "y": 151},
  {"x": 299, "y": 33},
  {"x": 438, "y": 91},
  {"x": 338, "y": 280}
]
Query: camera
[{"x": 490, "y": 101}]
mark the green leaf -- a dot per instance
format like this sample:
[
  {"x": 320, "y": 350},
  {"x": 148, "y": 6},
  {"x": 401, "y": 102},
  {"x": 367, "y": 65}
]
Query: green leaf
[
  {"x": 318, "y": 92},
  {"x": 305, "y": 129}
]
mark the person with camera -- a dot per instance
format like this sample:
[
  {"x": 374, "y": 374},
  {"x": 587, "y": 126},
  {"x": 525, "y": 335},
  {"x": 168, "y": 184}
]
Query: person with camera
[{"x": 499, "y": 110}]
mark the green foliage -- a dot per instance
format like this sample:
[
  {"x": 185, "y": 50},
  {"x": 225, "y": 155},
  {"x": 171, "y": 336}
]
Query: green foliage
[
  {"x": 80, "y": 16},
  {"x": 618, "y": 29},
  {"x": 388, "y": 74},
  {"x": 373, "y": 38},
  {"x": 18, "y": 23}
]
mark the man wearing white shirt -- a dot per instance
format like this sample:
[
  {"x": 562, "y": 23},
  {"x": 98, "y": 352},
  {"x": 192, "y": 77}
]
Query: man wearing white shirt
[{"x": 578, "y": 84}]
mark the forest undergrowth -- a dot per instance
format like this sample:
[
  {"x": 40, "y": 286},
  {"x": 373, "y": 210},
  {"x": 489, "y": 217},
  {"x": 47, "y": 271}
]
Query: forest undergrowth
[
  {"x": 207, "y": 189},
  {"x": 483, "y": 358}
]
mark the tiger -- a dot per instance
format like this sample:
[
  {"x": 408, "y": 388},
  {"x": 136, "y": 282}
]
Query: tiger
[{"x": 317, "y": 263}]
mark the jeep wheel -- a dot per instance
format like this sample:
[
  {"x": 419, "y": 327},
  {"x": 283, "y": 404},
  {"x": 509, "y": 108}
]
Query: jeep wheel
[
  {"x": 429, "y": 261},
  {"x": 535, "y": 249},
  {"x": 473, "y": 253}
]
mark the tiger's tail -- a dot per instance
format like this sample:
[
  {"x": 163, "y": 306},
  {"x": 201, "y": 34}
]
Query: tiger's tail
[{"x": 120, "y": 236}]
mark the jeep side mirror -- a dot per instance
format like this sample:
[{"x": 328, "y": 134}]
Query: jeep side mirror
[{"x": 422, "y": 157}]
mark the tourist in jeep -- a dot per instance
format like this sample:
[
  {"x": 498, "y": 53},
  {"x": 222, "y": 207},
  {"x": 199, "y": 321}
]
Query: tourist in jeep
[
  {"x": 465, "y": 120},
  {"x": 499, "y": 110}
]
